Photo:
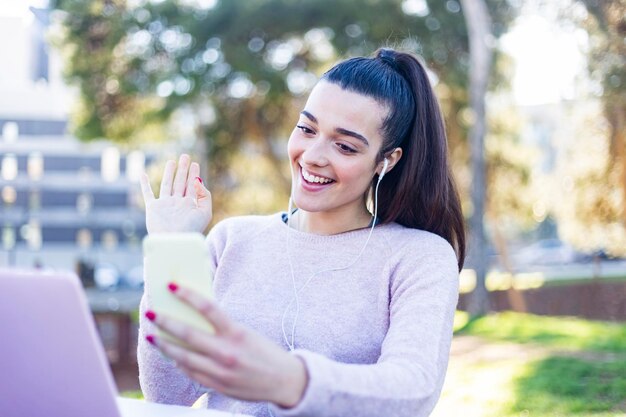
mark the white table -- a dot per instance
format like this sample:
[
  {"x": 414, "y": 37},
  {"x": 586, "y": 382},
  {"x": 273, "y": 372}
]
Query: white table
[{"x": 139, "y": 408}]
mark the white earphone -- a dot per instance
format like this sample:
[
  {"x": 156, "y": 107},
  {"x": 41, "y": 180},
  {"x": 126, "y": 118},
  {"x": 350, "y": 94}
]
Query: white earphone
[{"x": 384, "y": 170}]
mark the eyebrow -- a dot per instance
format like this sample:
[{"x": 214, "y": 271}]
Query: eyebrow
[{"x": 339, "y": 130}]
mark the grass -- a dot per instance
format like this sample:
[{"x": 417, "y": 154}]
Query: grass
[
  {"x": 539, "y": 367},
  {"x": 558, "y": 332},
  {"x": 570, "y": 387}
]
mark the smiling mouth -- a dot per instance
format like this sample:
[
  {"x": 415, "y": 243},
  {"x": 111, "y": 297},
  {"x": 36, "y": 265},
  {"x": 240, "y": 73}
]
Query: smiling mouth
[{"x": 314, "y": 179}]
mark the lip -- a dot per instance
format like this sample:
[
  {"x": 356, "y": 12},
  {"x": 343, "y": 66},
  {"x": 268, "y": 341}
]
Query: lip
[{"x": 313, "y": 187}]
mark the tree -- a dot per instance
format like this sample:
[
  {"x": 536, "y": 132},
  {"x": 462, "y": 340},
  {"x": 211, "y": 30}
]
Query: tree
[
  {"x": 478, "y": 23},
  {"x": 595, "y": 218},
  {"x": 240, "y": 67},
  {"x": 607, "y": 26}
]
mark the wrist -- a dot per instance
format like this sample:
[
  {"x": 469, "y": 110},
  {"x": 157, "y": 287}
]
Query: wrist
[{"x": 294, "y": 384}]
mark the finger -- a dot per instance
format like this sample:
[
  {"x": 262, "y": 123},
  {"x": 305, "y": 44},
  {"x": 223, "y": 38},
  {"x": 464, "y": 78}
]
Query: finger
[
  {"x": 181, "y": 175},
  {"x": 194, "y": 172},
  {"x": 195, "y": 340},
  {"x": 179, "y": 330},
  {"x": 192, "y": 360},
  {"x": 146, "y": 188},
  {"x": 202, "y": 378},
  {"x": 220, "y": 321},
  {"x": 168, "y": 178},
  {"x": 203, "y": 197}
]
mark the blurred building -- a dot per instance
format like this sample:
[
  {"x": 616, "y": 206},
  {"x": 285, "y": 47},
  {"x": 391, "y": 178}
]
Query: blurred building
[{"x": 62, "y": 202}]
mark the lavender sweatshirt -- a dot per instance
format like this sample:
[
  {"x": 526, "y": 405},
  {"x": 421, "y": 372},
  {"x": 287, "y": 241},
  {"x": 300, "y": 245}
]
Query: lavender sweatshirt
[{"x": 375, "y": 337}]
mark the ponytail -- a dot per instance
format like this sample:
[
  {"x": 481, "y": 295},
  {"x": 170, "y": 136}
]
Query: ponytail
[{"x": 419, "y": 192}]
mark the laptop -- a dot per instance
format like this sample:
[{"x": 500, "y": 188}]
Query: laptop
[{"x": 52, "y": 362}]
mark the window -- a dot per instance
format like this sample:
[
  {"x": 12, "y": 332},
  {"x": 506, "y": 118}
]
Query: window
[
  {"x": 34, "y": 200},
  {"x": 9, "y": 195},
  {"x": 110, "y": 164},
  {"x": 109, "y": 239},
  {"x": 84, "y": 238},
  {"x": 135, "y": 165},
  {"x": 9, "y": 167},
  {"x": 31, "y": 233},
  {"x": 10, "y": 132},
  {"x": 84, "y": 202},
  {"x": 35, "y": 166},
  {"x": 8, "y": 237}
]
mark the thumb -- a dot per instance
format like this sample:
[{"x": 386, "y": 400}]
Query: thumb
[{"x": 203, "y": 195}]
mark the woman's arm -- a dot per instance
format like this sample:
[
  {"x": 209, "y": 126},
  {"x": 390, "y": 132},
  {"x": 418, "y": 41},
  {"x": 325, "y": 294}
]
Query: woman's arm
[{"x": 183, "y": 205}]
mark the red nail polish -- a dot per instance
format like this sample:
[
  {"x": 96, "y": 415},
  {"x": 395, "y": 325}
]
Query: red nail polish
[
  {"x": 150, "y": 315},
  {"x": 199, "y": 179},
  {"x": 150, "y": 339},
  {"x": 172, "y": 287}
]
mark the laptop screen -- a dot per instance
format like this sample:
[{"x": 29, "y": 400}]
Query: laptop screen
[{"x": 51, "y": 358}]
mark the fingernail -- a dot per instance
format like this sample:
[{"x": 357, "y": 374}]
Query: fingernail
[
  {"x": 150, "y": 315},
  {"x": 150, "y": 339},
  {"x": 199, "y": 179},
  {"x": 172, "y": 287}
]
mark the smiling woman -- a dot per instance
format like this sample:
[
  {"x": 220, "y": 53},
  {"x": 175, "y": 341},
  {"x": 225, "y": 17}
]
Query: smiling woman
[{"x": 328, "y": 310}]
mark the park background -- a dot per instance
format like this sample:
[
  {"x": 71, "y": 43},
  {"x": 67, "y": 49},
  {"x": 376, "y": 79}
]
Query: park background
[{"x": 92, "y": 93}]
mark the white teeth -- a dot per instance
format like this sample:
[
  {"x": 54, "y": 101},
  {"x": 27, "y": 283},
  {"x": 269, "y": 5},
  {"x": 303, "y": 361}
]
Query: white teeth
[{"x": 313, "y": 178}]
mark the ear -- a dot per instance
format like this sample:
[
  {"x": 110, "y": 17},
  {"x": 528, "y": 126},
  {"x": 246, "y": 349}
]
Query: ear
[{"x": 393, "y": 159}]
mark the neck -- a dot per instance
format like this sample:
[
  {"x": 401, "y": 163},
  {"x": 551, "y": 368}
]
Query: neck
[{"x": 330, "y": 223}]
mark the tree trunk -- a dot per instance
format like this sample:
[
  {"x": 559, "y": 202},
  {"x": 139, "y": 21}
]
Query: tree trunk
[{"x": 478, "y": 24}]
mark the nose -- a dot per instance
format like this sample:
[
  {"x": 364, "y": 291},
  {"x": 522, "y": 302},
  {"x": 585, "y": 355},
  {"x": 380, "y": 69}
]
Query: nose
[{"x": 315, "y": 154}]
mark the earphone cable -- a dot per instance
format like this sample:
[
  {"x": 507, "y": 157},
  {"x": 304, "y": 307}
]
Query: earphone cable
[{"x": 291, "y": 344}]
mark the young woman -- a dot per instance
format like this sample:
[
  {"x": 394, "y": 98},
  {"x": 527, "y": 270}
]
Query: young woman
[{"x": 329, "y": 311}]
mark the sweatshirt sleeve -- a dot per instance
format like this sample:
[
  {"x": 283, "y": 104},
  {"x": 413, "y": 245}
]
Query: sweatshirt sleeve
[
  {"x": 409, "y": 374},
  {"x": 160, "y": 380}
]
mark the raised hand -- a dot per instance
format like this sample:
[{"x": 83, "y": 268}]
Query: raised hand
[{"x": 184, "y": 203}]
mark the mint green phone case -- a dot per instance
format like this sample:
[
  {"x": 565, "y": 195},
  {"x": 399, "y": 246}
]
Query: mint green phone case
[{"x": 181, "y": 258}]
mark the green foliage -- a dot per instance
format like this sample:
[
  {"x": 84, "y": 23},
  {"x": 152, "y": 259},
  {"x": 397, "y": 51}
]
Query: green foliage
[
  {"x": 509, "y": 175},
  {"x": 242, "y": 67},
  {"x": 601, "y": 209},
  {"x": 560, "y": 332},
  {"x": 564, "y": 386},
  {"x": 120, "y": 54},
  {"x": 138, "y": 395}
]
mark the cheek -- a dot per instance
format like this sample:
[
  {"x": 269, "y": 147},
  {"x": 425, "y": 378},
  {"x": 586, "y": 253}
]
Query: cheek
[{"x": 356, "y": 174}]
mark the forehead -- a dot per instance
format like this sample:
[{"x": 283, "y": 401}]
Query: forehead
[{"x": 335, "y": 107}]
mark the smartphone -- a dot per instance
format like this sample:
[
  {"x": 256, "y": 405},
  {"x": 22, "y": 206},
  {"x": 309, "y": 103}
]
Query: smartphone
[{"x": 181, "y": 258}]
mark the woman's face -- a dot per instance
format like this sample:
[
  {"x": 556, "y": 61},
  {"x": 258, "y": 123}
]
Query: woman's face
[{"x": 333, "y": 150}]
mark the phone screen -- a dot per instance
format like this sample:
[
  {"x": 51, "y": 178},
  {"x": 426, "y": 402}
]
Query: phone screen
[{"x": 181, "y": 258}]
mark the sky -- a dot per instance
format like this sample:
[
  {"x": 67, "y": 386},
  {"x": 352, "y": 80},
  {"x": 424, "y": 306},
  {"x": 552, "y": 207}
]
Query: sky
[{"x": 549, "y": 64}]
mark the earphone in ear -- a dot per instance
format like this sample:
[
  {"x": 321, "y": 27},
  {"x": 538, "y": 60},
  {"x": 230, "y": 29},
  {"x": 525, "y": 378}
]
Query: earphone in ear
[{"x": 384, "y": 170}]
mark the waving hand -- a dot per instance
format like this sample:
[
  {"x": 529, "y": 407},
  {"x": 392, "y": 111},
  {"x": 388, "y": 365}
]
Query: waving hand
[{"x": 184, "y": 203}]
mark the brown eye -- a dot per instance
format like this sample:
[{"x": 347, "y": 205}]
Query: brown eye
[
  {"x": 305, "y": 129},
  {"x": 345, "y": 148}
]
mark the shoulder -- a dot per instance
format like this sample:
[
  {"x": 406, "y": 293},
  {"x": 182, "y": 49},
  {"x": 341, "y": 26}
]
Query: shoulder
[
  {"x": 404, "y": 240},
  {"x": 243, "y": 227},
  {"x": 419, "y": 253}
]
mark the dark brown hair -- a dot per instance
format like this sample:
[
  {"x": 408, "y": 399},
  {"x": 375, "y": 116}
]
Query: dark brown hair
[{"x": 419, "y": 192}]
